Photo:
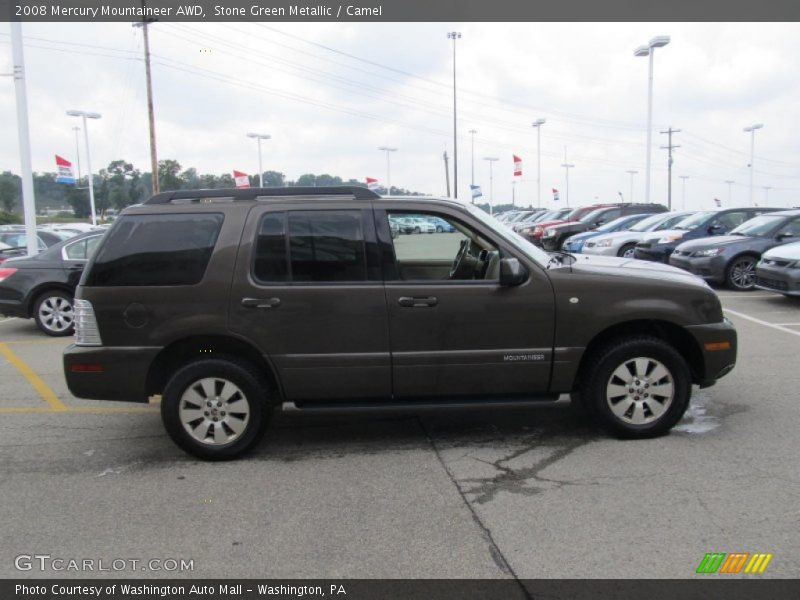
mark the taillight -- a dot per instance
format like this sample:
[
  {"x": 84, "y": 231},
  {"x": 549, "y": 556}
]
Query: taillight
[
  {"x": 86, "y": 331},
  {"x": 6, "y": 272}
]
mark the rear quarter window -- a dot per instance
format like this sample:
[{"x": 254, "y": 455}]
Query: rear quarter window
[{"x": 156, "y": 250}]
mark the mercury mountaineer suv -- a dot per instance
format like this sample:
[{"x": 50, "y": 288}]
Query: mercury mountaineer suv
[{"x": 228, "y": 303}]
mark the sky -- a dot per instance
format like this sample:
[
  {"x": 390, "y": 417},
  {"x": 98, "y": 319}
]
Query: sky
[{"x": 330, "y": 94}]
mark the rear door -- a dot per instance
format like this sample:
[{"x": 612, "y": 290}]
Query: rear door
[
  {"x": 308, "y": 291},
  {"x": 75, "y": 255}
]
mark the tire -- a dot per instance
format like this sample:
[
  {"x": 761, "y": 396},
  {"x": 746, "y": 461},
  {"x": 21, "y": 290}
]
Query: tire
[
  {"x": 439, "y": 229},
  {"x": 417, "y": 230},
  {"x": 639, "y": 414},
  {"x": 627, "y": 251},
  {"x": 740, "y": 275},
  {"x": 219, "y": 383},
  {"x": 54, "y": 313}
]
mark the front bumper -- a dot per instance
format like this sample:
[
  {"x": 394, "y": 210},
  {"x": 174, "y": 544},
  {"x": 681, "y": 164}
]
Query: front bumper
[
  {"x": 783, "y": 280},
  {"x": 573, "y": 246},
  {"x": 654, "y": 253},
  {"x": 710, "y": 268},
  {"x": 718, "y": 347},
  {"x": 590, "y": 248},
  {"x": 107, "y": 373}
]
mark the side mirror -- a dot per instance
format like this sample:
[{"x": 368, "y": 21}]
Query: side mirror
[
  {"x": 714, "y": 229},
  {"x": 511, "y": 272},
  {"x": 783, "y": 235},
  {"x": 600, "y": 222}
]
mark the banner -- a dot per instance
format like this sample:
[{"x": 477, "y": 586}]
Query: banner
[
  {"x": 65, "y": 174},
  {"x": 517, "y": 166},
  {"x": 241, "y": 179},
  {"x": 555, "y": 195},
  {"x": 372, "y": 183},
  {"x": 476, "y": 191}
]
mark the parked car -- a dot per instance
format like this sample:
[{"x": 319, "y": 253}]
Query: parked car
[
  {"x": 42, "y": 287},
  {"x": 659, "y": 247},
  {"x": 441, "y": 225},
  {"x": 623, "y": 243},
  {"x": 194, "y": 296},
  {"x": 731, "y": 259},
  {"x": 17, "y": 238},
  {"x": 526, "y": 227},
  {"x": 554, "y": 235},
  {"x": 573, "y": 215},
  {"x": 779, "y": 270},
  {"x": 415, "y": 225},
  {"x": 574, "y": 243}
]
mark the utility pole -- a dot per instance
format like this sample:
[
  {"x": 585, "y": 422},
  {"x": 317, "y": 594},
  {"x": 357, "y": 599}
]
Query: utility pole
[
  {"x": 491, "y": 160},
  {"x": 150, "y": 113},
  {"x": 767, "y": 188},
  {"x": 77, "y": 153},
  {"x": 730, "y": 183},
  {"x": 631, "y": 172},
  {"x": 513, "y": 193},
  {"x": 388, "y": 151},
  {"x": 683, "y": 191},
  {"x": 669, "y": 147},
  {"x": 446, "y": 173},
  {"x": 454, "y": 35},
  {"x": 567, "y": 166},
  {"x": 472, "y": 133},
  {"x": 537, "y": 124}
]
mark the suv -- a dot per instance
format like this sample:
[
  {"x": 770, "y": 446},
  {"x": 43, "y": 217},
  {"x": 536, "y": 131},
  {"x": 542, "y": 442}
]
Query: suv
[
  {"x": 555, "y": 235},
  {"x": 230, "y": 302}
]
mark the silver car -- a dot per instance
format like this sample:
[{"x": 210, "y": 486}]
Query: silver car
[
  {"x": 779, "y": 270},
  {"x": 622, "y": 243}
]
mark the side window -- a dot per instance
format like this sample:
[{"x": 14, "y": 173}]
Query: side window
[
  {"x": 733, "y": 219},
  {"x": 610, "y": 215},
  {"x": 431, "y": 247},
  {"x": 156, "y": 250},
  {"x": 76, "y": 251},
  {"x": 792, "y": 227},
  {"x": 323, "y": 246},
  {"x": 91, "y": 245}
]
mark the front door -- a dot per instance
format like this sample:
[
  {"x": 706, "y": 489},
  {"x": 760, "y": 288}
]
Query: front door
[
  {"x": 308, "y": 292},
  {"x": 454, "y": 330}
]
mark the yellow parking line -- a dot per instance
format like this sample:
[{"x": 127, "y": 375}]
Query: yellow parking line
[
  {"x": 40, "y": 386},
  {"x": 4, "y": 410}
]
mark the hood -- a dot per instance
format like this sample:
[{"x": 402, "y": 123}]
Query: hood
[
  {"x": 583, "y": 236},
  {"x": 652, "y": 237},
  {"x": 716, "y": 241},
  {"x": 786, "y": 252},
  {"x": 611, "y": 266},
  {"x": 633, "y": 236}
]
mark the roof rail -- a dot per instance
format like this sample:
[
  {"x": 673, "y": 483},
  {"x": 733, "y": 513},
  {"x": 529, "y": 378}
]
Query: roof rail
[{"x": 360, "y": 193}]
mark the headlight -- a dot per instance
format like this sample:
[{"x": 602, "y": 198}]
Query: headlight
[
  {"x": 603, "y": 244},
  {"x": 670, "y": 238},
  {"x": 549, "y": 232},
  {"x": 537, "y": 230},
  {"x": 708, "y": 252}
]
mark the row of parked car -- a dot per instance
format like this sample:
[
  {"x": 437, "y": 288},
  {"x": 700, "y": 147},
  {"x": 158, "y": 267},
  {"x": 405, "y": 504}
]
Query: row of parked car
[
  {"x": 742, "y": 248},
  {"x": 409, "y": 225}
]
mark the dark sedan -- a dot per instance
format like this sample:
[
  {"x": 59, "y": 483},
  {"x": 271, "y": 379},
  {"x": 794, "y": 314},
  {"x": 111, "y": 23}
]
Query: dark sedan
[
  {"x": 731, "y": 259},
  {"x": 42, "y": 287},
  {"x": 659, "y": 246}
]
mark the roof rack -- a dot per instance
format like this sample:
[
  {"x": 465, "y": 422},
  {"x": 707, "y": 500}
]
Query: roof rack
[{"x": 357, "y": 192}]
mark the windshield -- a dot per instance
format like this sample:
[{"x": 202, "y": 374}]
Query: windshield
[
  {"x": 695, "y": 220},
  {"x": 762, "y": 225},
  {"x": 613, "y": 225},
  {"x": 592, "y": 216},
  {"x": 646, "y": 224},
  {"x": 540, "y": 256}
]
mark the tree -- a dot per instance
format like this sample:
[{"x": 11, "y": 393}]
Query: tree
[
  {"x": 168, "y": 178},
  {"x": 190, "y": 180},
  {"x": 9, "y": 190}
]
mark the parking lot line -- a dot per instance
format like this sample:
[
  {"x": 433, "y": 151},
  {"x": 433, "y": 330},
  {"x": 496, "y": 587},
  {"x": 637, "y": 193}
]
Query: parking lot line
[
  {"x": 40, "y": 386},
  {"x": 760, "y": 322},
  {"x": 84, "y": 410},
  {"x": 8, "y": 319},
  {"x": 745, "y": 296}
]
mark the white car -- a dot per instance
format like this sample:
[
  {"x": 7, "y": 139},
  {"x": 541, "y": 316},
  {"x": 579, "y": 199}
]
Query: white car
[{"x": 622, "y": 243}]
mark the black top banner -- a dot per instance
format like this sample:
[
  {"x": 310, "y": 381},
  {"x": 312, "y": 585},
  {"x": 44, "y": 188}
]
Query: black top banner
[{"x": 402, "y": 10}]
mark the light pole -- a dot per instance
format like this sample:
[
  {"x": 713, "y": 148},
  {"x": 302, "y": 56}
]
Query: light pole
[
  {"x": 259, "y": 137},
  {"x": 730, "y": 183},
  {"x": 683, "y": 191},
  {"x": 491, "y": 160},
  {"x": 388, "y": 168},
  {"x": 567, "y": 166},
  {"x": 631, "y": 172},
  {"x": 88, "y": 115},
  {"x": 752, "y": 131},
  {"x": 472, "y": 133},
  {"x": 513, "y": 193},
  {"x": 454, "y": 35},
  {"x": 77, "y": 152},
  {"x": 537, "y": 124},
  {"x": 649, "y": 50},
  {"x": 767, "y": 188}
]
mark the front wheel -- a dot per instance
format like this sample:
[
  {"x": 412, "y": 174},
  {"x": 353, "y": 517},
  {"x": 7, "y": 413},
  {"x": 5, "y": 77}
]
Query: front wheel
[
  {"x": 741, "y": 273},
  {"x": 417, "y": 230},
  {"x": 216, "y": 409},
  {"x": 627, "y": 251},
  {"x": 637, "y": 387}
]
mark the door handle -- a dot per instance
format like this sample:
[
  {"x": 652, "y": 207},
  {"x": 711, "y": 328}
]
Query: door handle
[
  {"x": 75, "y": 268},
  {"x": 261, "y": 302},
  {"x": 418, "y": 301}
]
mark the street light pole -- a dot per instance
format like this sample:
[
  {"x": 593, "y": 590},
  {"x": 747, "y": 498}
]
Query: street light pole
[
  {"x": 472, "y": 133},
  {"x": 88, "y": 115},
  {"x": 76, "y": 129},
  {"x": 454, "y": 35},
  {"x": 388, "y": 168},
  {"x": 491, "y": 160},
  {"x": 649, "y": 50},
  {"x": 683, "y": 191},
  {"x": 537, "y": 124},
  {"x": 730, "y": 183},
  {"x": 631, "y": 172},
  {"x": 259, "y": 137},
  {"x": 751, "y": 129},
  {"x": 567, "y": 166},
  {"x": 767, "y": 188}
]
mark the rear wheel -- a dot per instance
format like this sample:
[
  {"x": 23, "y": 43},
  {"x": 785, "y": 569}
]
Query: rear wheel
[
  {"x": 54, "y": 314},
  {"x": 627, "y": 251},
  {"x": 637, "y": 387},
  {"x": 741, "y": 273},
  {"x": 216, "y": 409}
]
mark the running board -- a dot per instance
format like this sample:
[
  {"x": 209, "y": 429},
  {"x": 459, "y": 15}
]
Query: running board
[{"x": 418, "y": 406}]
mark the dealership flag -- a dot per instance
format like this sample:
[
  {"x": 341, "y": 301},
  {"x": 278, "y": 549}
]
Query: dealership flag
[
  {"x": 555, "y": 195},
  {"x": 517, "y": 166},
  {"x": 65, "y": 174},
  {"x": 241, "y": 179},
  {"x": 718, "y": 202},
  {"x": 372, "y": 183},
  {"x": 476, "y": 191}
]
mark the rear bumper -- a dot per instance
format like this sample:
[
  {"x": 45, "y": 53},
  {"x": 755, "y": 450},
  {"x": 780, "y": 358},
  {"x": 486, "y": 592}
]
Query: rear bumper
[
  {"x": 718, "y": 346},
  {"x": 709, "y": 268},
  {"x": 103, "y": 373}
]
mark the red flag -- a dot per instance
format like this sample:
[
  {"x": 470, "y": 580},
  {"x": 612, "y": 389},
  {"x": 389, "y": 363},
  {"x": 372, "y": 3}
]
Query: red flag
[
  {"x": 718, "y": 202},
  {"x": 517, "y": 166},
  {"x": 555, "y": 195},
  {"x": 65, "y": 174},
  {"x": 241, "y": 179},
  {"x": 372, "y": 183}
]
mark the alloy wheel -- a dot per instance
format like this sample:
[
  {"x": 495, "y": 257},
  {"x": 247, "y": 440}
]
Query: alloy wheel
[
  {"x": 640, "y": 391},
  {"x": 56, "y": 314},
  {"x": 214, "y": 411},
  {"x": 743, "y": 273}
]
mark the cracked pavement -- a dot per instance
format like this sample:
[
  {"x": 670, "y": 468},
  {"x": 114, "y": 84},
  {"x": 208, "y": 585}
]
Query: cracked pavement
[{"x": 526, "y": 493}]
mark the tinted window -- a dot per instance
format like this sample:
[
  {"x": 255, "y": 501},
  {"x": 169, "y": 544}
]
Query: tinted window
[
  {"x": 83, "y": 249},
  {"x": 732, "y": 219},
  {"x": 156, "y": 250},
  {"x": 327, "y": 246},
  {"x": 270, "y": 260}
]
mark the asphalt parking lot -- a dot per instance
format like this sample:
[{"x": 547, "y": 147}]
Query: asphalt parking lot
[{"x": 527, "y": 493}]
